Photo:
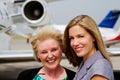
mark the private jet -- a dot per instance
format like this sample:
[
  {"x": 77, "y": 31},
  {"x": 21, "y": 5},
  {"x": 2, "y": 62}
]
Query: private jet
[{"x": 25, "y": 16}]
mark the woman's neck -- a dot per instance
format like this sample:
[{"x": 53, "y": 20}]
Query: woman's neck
[
  {"x": 93, "y": 51},
  {"x": 51, "y": 74}
]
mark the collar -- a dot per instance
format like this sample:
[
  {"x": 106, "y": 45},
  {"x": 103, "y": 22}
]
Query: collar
[{"x": 85, "y": 66}]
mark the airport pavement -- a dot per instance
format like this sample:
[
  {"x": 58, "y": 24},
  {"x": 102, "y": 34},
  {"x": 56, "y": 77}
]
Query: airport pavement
[{"x": 10, "y": 71}]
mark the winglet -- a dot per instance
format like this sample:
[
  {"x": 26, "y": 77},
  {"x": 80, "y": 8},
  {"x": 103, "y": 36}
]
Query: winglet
[{"x": 110, "y": 19}]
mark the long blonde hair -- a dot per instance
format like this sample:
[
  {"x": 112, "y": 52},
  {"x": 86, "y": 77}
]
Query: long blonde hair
[{"x": 91, "y": 27}]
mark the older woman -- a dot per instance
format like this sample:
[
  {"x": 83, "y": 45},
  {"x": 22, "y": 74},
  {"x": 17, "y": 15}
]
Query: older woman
[{"x": 47, "y": 46}]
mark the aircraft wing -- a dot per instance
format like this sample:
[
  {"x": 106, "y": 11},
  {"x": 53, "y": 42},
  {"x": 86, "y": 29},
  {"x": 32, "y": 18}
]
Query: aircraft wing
[
  {"x": 16, "y": 55},
  {"x": 27, "y": 55},
  {"x": 113, "y": 51}
]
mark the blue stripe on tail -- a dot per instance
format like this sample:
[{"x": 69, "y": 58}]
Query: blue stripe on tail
[{"x": 110, "y": 20}]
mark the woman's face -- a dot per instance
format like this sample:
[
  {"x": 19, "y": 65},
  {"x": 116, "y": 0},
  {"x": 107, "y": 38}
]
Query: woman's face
[
  {"x": 81, "y": 41},
  {"x": 49, "y": 52}
]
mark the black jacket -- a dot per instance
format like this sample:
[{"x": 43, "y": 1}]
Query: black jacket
[{"x": 30, "y": 74}]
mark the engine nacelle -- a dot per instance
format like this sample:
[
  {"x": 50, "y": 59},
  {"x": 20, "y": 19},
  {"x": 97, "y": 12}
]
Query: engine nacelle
[{"x": 35, "y": 12}]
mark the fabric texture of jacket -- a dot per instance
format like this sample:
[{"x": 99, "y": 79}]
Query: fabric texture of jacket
[{"x": 95, "y": 65}]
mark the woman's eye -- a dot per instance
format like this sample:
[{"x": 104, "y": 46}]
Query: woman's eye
[
  {"x": 80, "y": 36},
  {"x": 44, "y": 52},
  {"x": 70, "y": 38},
  {"x": 54, "y": 49}
]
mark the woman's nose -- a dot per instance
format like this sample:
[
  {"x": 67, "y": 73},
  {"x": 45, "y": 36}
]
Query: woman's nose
[
  {"x": 75, "y": 42},
  {"x": 50, "y": 54}
]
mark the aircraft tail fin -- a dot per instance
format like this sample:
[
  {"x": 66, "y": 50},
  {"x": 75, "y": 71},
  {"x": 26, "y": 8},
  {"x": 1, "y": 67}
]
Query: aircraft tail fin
[{"x": 110, "y": 19}]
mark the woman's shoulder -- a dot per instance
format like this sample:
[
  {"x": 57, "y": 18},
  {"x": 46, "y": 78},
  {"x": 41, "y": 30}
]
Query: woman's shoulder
[
  {"x": 102, "y": 67},
  {"x": 70, "y": 73},
  {"x": 69, "y": 70},
  {"x": 102, "y": 63},
  {"x": 28, "y": 73}
]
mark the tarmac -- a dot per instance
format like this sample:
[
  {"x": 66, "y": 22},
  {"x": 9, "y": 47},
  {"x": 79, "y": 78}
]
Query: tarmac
[{"x": 10, "y": 71}]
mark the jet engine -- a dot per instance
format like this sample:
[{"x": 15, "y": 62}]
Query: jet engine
[{"x": 35, "y": 12}]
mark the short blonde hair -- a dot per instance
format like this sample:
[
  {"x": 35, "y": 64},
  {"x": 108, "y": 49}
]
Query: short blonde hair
[{"x": 44, "y": 33}]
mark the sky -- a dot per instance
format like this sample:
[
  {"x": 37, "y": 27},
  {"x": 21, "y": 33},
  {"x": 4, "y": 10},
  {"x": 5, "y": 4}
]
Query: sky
[{"x": 63, "y": 11}]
